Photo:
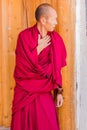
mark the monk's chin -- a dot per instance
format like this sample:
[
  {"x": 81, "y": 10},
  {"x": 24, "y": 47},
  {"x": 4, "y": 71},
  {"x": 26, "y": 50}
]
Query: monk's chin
[{"x": 51, "y": 30}]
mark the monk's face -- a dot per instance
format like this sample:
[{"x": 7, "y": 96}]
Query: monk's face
[{"x": 51, "y": 20}]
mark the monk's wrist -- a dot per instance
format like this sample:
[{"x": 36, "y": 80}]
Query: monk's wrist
[
  {"x": 60, "y": 90},
  {"x": 38, "y": 49}
]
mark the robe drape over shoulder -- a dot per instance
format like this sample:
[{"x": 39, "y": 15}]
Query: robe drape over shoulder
[{"x": 35, "y": 76}]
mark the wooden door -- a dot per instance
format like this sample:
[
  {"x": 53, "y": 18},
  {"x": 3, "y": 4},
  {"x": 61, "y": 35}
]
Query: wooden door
[{"x": 16, "y": 16}]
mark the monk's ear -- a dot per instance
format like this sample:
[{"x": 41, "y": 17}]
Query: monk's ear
[{"x": 43, "y": 20}]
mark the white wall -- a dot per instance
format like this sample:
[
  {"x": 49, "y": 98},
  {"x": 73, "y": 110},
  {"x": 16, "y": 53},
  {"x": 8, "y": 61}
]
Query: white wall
[{"x": 81, "y": 64}]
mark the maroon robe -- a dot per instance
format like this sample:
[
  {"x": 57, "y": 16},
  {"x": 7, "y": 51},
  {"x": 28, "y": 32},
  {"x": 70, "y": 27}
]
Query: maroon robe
[{"x": 36, "y": 75}]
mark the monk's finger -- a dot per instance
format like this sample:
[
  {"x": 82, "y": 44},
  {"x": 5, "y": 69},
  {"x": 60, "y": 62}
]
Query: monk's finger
[
  {"x": 59, "y": 104},
  {"x": 47, "y": 40},
  {"x": 44, "y": 40},
  {"x": 47, "y": 44},
  {"x": 46, "y": 37}
]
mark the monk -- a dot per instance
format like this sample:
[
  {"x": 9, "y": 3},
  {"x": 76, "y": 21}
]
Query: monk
[{"x": 40, "y": 56}]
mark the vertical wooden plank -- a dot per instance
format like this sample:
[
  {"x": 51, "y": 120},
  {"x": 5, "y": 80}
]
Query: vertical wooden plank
[
  {"x": 66, "y": 19},
  {"x": 11, "y": 23},
  {"x": 4, "y": 60},
  {"x": 0, "y": 63}
]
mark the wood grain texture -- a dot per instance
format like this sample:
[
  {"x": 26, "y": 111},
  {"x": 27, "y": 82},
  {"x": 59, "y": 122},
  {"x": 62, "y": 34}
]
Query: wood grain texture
[
  {"x": 11, "y": 25},
  {"x": 17, "y": 16},
  {"x": 0, "y": 64},
  {"x": 66, "y": 11}
]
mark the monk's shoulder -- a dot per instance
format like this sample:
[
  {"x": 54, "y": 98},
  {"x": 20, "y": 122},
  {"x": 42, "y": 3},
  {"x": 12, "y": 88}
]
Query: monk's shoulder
[
  {"x": 58, "y": 36},
  {"x": 60, "y": 44},
  {"x": 59, "y": 40},
  {"x": 25, "y": 32}
]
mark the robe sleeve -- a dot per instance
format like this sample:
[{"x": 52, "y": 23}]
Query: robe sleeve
[{"x": 63, "y": 54}]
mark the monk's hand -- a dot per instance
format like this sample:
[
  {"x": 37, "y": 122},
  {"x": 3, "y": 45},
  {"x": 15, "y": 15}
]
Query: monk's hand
[
  {"x": 60, "y": 100},
  {"x": 43, "y": 43}
]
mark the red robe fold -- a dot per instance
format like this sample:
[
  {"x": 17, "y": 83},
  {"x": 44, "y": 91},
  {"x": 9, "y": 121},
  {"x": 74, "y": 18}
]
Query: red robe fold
[{"x": 35, "y": 76}]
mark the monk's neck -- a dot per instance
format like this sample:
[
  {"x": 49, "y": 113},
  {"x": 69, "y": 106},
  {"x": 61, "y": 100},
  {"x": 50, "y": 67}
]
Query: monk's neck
[{"x": 42, "y": 30}]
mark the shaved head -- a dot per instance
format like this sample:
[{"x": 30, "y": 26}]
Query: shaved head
[
  {"x": 43, "y": 10},
  {"x": 46, "y": 17}
]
